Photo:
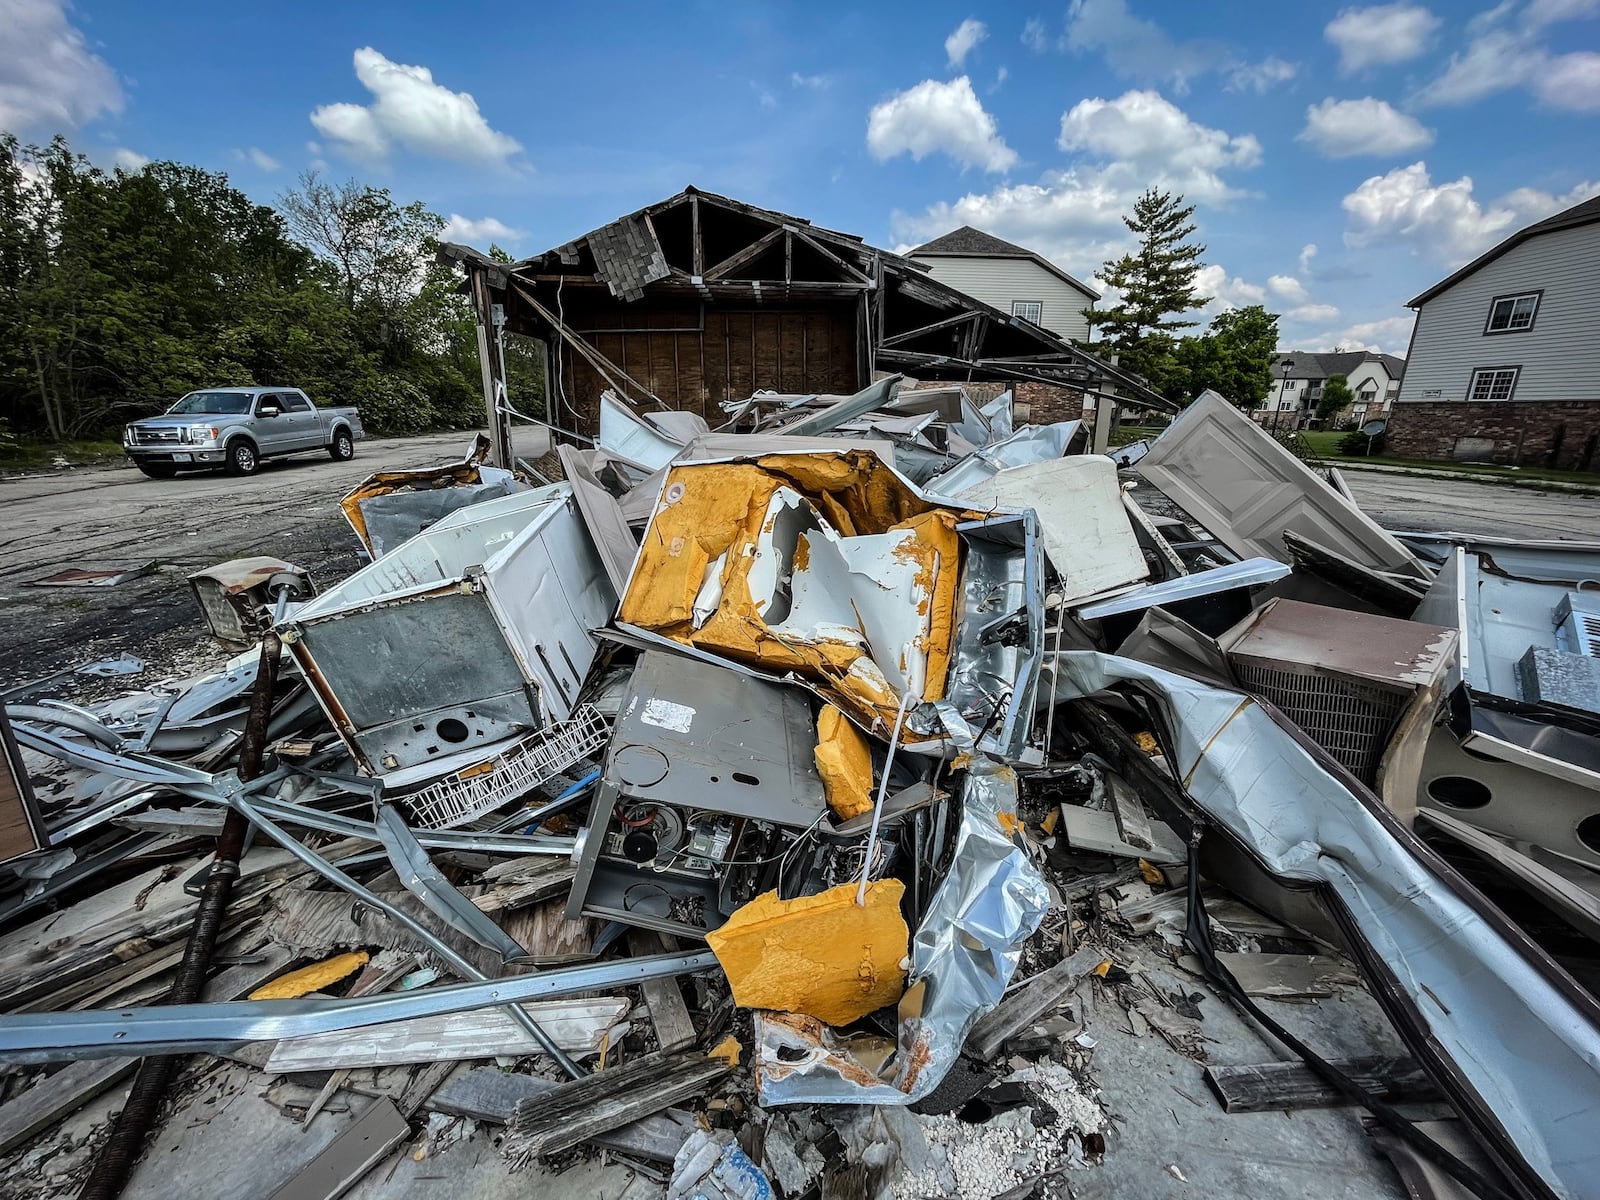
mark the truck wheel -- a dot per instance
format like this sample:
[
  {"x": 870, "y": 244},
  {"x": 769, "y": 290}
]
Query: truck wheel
[
  {"x": 343, "y": 446},
  {"x": 158, "y": 470},
  {"x": 242, "y": 458}
]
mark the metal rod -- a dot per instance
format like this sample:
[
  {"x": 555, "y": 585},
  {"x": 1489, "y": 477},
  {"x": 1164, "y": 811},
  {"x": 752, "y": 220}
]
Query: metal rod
[
  {"x": 115, "y": 1033},
  {"x": 443, "y": 949},
  {"x": 109, "y": 1174}
]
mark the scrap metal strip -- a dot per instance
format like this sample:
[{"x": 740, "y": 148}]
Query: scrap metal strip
[{"x": 217, "y": 1028}]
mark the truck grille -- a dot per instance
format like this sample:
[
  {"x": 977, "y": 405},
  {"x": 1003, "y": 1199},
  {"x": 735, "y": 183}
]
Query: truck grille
[{"x": 146, "y": 437}]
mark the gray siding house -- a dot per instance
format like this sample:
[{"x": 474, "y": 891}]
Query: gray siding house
[
  {"x": 1504, "y": 363},
  {"x": 1010, "y": 278}
]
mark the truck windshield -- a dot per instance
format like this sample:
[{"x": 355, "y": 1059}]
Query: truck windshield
[{"x": 227, "y": 403}]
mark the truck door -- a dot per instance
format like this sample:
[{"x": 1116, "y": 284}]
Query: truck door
[{"x": 300, "y": 422}]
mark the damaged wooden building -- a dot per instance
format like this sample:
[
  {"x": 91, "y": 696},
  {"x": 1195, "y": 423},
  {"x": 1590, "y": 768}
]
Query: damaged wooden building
[{"x": 702, "y": 299}]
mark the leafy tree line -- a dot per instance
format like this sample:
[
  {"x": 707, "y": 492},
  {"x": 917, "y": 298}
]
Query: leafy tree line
[
  {"x": 120, "y": 291},
  {"x": 1158, "y": 285}
]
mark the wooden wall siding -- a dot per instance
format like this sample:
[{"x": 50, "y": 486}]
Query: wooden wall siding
[{"x": 737, "y": 353}]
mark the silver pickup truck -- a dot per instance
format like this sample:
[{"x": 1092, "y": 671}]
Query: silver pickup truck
[{"x": 237, "y": 428}]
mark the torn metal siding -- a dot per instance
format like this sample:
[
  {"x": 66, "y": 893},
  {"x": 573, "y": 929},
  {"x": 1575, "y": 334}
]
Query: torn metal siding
[{"x": 1518, "y": 1041}]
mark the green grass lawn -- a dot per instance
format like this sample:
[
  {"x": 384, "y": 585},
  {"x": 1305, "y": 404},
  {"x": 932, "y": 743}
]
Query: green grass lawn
[{"x": 24, "y": 455}]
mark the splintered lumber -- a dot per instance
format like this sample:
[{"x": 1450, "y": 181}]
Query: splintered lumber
[
  {"x": 47, "y": 1101},
  {"x": 349, "y": 1156},
  {"x": 668, "y": 1013},
  {"x": 1269, "y": 1087},
  {"x": 581, "y": 1109},
  {"x": 1031, "y": 1001},
  {"x": 578, "y": 1026},
  {"x": 490, "y": 1094},
  {"x": 1132, "y": 823}
]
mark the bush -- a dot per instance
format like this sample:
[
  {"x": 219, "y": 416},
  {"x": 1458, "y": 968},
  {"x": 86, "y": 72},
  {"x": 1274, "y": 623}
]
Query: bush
[
  {"x": 1355, "y": 444},
  {"x": 394, "y": 407}
]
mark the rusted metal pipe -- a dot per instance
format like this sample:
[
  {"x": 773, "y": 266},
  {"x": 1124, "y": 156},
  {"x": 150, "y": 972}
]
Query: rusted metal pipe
[{"x": 114, "y": 1163}]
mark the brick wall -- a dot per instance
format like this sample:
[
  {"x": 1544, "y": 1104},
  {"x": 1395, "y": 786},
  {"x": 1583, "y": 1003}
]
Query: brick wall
[
  {"x": 1031, "y": 403},
  {"x": 1560, "y": 434}
]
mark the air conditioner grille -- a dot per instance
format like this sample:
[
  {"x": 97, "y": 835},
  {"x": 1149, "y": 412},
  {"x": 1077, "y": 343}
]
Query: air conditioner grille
[{"x": 1349, "y": 719}]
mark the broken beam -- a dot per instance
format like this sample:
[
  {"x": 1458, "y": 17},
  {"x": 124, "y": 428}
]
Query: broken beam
[
  {"x": 1270, "y": 1087},
  {"x": 1030, "y": 1002}
]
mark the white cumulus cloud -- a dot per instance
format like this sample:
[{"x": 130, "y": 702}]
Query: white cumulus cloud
[
  {"x": 477, "y": 233},
  {"x": 1073, "y": 215},
  {"x": 50, "y": 81},
  {"x": 1446, "y": 221},
  {"x": 1034, "y": 36},
  {"x": 1388, "y": 335},
  {"x": 411, "y": 111},
  {"x": 1307, "y": 253},
  {"x": 1288, "y": 288},
  {"x": 1381, "y": 34},
  {"x": 129, "y": 160},
  {"x": 1509, "y": 50},
  {"x": 939, "y": 118},
  {"x": 1138, "y": 47},
  {"x": 1226, "y": 291},
  {"x": 1345, "y": 128},
  {"x": 964, "y": 40},
  {"x": 1150, "y": 132},
  {"x": 259, "y": 158},
  {"x": 1314, "y": 313},
  {"x": 1262, "y": 76}
]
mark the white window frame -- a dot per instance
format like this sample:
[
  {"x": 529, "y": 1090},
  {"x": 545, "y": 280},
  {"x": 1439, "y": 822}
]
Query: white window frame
[
  {"x": 1037, "y": 318},
  {"x": 1492, "y": 376},
  {"x": 1511, "y": 301}
]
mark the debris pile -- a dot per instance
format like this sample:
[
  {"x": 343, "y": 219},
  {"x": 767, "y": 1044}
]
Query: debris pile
[{"x": 864, "y": 798}]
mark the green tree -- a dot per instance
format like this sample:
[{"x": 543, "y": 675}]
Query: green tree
[
  {"x": 1157, "y": 282},
  {"x": 1234, "y": 358},
  {"x": 1336, "y": 396}
]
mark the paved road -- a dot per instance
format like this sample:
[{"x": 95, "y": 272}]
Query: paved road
[
  {"x": 1416, "y": 502},
  {"x": 115, "y": 517}
]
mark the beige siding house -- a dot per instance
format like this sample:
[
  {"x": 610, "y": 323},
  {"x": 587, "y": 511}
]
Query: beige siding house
[
  {"x": 1505, "y": 353},
  {"x": 1010, "y": 278}
]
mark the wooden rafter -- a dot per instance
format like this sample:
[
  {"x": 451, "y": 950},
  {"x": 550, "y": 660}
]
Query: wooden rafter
[
  {"x": 750, "y": 253},
  {"x": 923, "y": 330},
  {"x": 851, "y": 272}
]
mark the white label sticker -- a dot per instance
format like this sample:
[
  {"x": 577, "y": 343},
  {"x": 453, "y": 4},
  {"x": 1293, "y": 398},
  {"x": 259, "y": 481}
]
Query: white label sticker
[{"x": 664, "y": 714}]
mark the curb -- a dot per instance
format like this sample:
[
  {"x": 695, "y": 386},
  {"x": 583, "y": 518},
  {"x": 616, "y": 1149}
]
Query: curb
[{"x": 1542, "y": 485}]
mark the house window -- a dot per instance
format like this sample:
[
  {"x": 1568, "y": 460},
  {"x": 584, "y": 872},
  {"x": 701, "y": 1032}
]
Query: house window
[
  {"x": 1512, "y": 314},
  {"x": 1028, "y": 310},
  {"x": 1493, "y": 383}
]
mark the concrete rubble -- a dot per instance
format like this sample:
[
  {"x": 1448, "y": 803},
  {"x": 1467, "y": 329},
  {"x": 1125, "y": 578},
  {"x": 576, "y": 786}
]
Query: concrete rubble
[{"x": 865, "y": 798}]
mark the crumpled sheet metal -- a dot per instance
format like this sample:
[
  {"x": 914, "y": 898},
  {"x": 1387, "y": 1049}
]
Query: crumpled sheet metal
[
  {"x": 1529, "y": 1051},
  {"x": 1030, "y": 444},
  {"x": 963, "y": 954}
]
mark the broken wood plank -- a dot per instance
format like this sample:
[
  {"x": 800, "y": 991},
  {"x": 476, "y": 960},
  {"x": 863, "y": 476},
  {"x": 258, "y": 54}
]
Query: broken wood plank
[
  {"x": 578, "y": 1026},
  {"x": 1031, "y": 1001},
  {"x": 1269, "y": 1087},
  {"x": 52, "y": 1098},
  {"x": 1286, "y": 976},
  {"x": 1095, "y": 831},
  {"x": 580, "y": 1109},
  {"x": 668, "y": 1013},
  {"x": 349, "y": 1156},
  {"x": 490, "y": 1094}
]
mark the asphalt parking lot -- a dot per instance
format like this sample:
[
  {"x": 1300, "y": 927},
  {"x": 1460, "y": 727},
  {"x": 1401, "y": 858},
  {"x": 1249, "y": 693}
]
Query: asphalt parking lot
[{"x": 115, "y": 517}]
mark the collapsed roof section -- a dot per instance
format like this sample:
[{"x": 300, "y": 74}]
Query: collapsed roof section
[{"x": 702, "y": 299}]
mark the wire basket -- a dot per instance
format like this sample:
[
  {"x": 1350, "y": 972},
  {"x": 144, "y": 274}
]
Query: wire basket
[{"x": 483, "y": 787}]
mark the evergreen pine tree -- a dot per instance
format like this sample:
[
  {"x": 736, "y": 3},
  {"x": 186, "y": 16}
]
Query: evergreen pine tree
[{"x": 1157, "y": 286}]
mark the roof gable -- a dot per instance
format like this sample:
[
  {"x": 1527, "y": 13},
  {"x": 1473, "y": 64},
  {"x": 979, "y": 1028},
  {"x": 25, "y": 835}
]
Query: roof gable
[
  {"x": 968, "y": 242},
  {"x": 1585, "y": 213}
]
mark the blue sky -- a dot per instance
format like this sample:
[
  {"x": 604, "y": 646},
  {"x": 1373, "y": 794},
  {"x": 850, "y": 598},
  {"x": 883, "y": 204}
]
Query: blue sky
[{"x": 1342, "y": 157}]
